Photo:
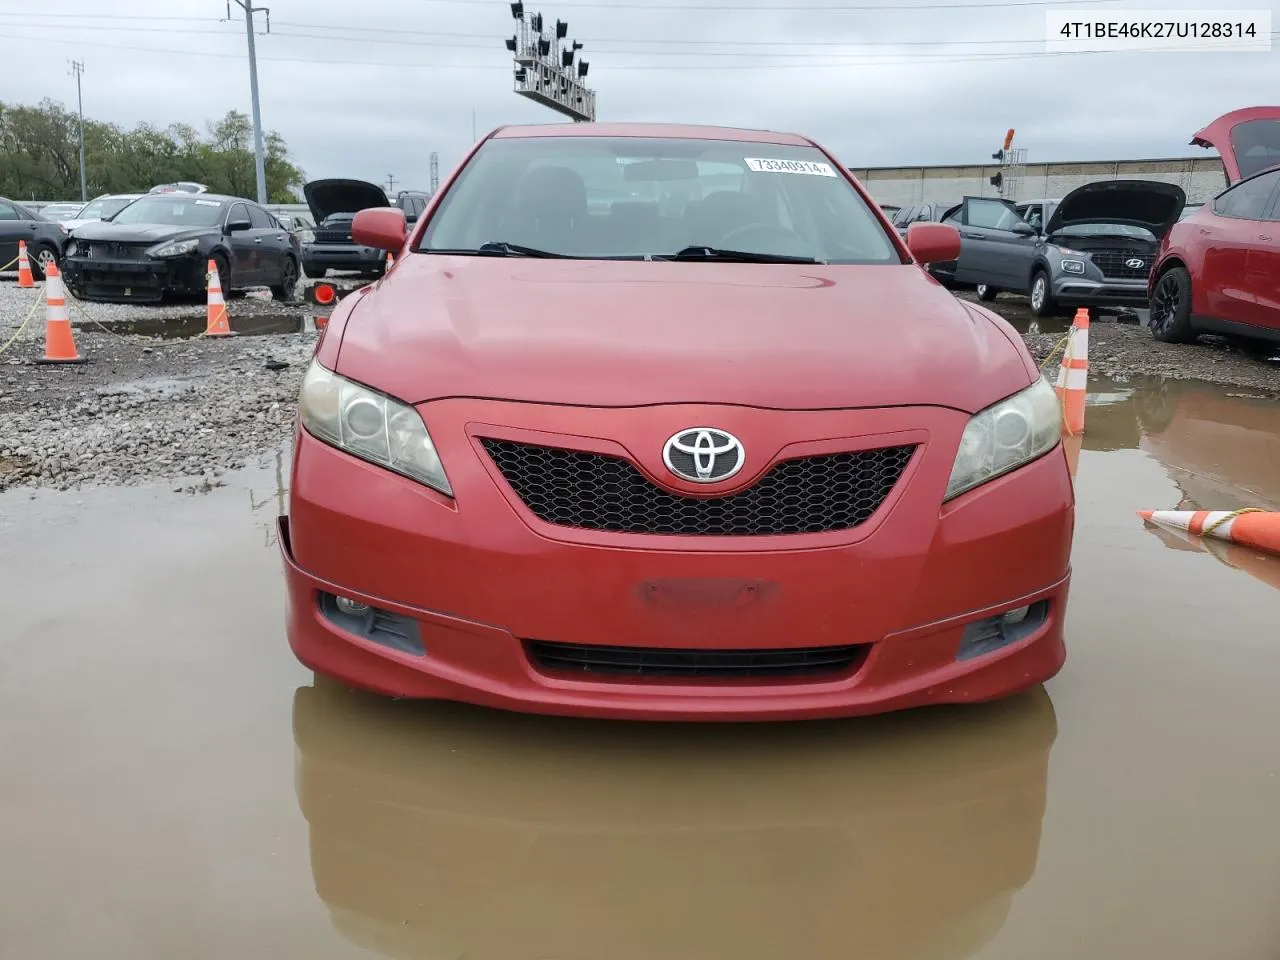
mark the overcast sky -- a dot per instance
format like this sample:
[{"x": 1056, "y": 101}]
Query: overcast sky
[{"x": 369, "y": 88}]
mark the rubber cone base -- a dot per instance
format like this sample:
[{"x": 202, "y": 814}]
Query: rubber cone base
[{"x": 46, "y": 362}]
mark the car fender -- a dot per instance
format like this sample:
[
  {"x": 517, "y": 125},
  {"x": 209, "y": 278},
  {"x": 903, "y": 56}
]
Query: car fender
[{"x": 1041, "y": 262}]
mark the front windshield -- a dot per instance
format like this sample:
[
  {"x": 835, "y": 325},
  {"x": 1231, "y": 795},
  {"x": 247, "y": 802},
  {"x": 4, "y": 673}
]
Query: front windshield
[
  {"x": 103, "y": 208},
  {"x": 172, "y": 210},
  {"x": 1106, "y": 230},
  {"x": 630, "y": 198}
]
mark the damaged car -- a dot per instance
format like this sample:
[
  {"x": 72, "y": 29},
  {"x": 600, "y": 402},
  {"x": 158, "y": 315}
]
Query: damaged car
[
  {"x": 334, "y": 204},
  {"x": 1218, "y": 271},
  {"x": 161, "y": 244},
  {"x": 1095, "y": 249}
]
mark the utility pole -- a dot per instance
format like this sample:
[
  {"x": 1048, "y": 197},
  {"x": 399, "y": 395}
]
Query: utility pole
[
  {"x": 77, "y": 68},
  {"x": 435, "y": 172},
  {"x": 391, "y": 183},
  {"x": 259, "y": 157}
]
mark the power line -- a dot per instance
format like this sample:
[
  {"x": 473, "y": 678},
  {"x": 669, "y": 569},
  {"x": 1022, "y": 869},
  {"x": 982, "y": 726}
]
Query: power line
[{"x": 614, "y": 67}]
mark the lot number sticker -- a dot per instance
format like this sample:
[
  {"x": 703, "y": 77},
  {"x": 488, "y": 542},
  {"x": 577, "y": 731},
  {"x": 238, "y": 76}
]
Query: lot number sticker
[{"x": 808, "y": 167}]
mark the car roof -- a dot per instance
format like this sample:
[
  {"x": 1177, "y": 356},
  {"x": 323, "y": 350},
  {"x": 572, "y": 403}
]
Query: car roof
[{"x": 661, "y": 131}]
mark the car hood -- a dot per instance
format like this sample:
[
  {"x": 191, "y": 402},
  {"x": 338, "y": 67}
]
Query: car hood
[
  {"x": 327, "y": 197},
  {"x": 628, "y": 333},
  {"x": 1149, "y": 204},
  {"x": 137, "y": 232},
  {"x": 1248, "y": 140}
]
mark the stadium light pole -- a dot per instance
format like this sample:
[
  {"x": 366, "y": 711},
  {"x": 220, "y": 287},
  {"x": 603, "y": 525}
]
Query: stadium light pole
[
  {"x": 546, "y": 72},
  {"x": 259, "y": 156}
]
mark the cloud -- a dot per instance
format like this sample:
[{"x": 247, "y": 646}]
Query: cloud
[{"x": 370, "y": 90}]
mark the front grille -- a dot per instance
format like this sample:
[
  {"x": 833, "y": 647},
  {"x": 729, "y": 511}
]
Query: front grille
[
  {"x": 572, "y": 488},
  {"x": 332, "y": 234},
  {"x": 1112, "y": 263},
  {"x": 118, "y": 251},
  {"x": 705, "y": 664}
]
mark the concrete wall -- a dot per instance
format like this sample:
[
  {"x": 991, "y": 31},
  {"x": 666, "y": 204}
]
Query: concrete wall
[{"x": 1201, "y": 177}]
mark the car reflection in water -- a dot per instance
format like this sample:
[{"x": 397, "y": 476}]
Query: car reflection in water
[
  {"x": 444, "y": 831},
  {"x": 1219, "y": 445}
]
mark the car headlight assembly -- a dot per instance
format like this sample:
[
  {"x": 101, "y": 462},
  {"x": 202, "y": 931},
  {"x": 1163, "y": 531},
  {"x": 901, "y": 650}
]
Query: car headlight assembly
[
  {"x": 1006, "y": 436},
  {"x": 371, "y": 426},
  {"x": 1073, "y": 266},
  {"x": 176, "y": 249}
]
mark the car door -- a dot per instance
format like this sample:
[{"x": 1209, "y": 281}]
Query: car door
[
  {"x": 272, "y": 242},
  {"x": 1262, "y": 265},
  {"x": 246, "y": 269},
  {"x": 986, "y": 241},
  {"x": 1226, "y": 241},
  {"x": 14, "y": 227}
]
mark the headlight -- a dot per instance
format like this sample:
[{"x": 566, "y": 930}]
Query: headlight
[
  {"x": 1073, "y": 266},
  {"x": 370, "y": 426},
  {"x": 176, "y": 249},
  {"x": 306, "y": 236},
  {"x": 70, "y": 249},
  {"x": 1005, "y": 436}
]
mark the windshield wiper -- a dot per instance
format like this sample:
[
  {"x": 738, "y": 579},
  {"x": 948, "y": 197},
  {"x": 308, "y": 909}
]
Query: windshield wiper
[
  {"x": 700, "y": 252},
  {"x": 500, "y": 248}
]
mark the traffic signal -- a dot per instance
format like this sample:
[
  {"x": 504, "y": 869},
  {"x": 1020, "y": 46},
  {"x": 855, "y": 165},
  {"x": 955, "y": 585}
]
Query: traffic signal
[
  {"x": 997, "y": 180},
  {"x": 998, "y": 155}
]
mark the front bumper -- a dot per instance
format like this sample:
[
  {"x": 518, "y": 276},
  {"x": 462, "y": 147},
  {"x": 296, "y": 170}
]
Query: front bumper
[
  {"x": 480, "y": 581},
  {"x": 133, "y": 280},
  {"x": 341, "y": 256},
  {"x": 1082, "y": 291}
]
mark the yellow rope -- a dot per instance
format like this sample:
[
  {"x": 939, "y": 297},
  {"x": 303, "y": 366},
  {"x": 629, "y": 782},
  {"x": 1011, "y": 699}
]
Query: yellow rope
[
  {"x": 30, "y": 314},
  {"x": 11, "y": 262},
  {"x": 1227, "y": 519}
]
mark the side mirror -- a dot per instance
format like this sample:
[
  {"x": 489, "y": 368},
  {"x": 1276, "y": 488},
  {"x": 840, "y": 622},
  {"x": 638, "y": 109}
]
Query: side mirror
[
  {"x": 933, "y": 242},
  {"x": 234, "y": 226},
  {"x": 1024, "y": 229},
  {"x": 383, "y": 228}
]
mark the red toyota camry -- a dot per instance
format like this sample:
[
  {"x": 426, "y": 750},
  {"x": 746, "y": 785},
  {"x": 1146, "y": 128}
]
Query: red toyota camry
[{"x": 667, "y": 422}]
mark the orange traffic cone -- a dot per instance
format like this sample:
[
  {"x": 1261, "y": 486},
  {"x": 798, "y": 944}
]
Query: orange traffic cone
[
  {"x": 1071, "y": 445},
  {"x": 1248, "y": 528},
  {"x": 324, "y": 294},
  {"x": 1073, "y": 374},
  {"x": 391, "y": 260},
  {"x": 59, "y": 344},
  {"x": 24, "y": 266},
  {"x": 217, "y": 324}
]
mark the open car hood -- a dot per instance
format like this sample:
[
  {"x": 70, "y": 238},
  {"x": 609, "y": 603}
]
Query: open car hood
[
  {"x": 327, "y": 197},
  {"x": 1149, "y": 204},
  {"x": 1248, "y": 140}
]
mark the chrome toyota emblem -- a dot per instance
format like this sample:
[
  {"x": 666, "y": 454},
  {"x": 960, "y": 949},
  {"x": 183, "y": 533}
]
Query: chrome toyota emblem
[
  {"x": 1135, "y": 264},
  {"x": 704, "y": 455}
]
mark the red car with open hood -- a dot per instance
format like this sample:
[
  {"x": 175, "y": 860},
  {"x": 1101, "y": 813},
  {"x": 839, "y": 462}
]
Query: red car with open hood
[
  {"x": 667, "y": 422},
  {"x": 1218, "y": 270}
]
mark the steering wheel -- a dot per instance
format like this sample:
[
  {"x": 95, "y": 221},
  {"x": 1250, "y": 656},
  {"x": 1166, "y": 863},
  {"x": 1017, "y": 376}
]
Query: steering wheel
[{"x": 741, "y": 236}]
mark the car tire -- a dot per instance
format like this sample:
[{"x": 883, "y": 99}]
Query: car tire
[
  {"x": 987, "y": 293},
  {"x": 224, "y": 276},
  {"x": 42, "y": 255},
  {"x": 1170, "y": 319},
  {"x": 1042, "y": 302},
  {"x": 287, "y": 289}
]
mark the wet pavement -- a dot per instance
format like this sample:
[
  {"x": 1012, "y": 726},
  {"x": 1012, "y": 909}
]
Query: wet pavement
[{"x": 176, "y": 785}]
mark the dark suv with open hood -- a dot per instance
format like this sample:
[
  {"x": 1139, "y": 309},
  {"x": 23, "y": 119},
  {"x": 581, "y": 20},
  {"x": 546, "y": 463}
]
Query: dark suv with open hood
[
  {"x": 334, "y": 203},
  {"x": 1095, "y": 248}
]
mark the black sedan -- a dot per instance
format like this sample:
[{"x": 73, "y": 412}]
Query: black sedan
[
  {"x": 44, "y": 237},
  {"x": 161, "y": 244}
]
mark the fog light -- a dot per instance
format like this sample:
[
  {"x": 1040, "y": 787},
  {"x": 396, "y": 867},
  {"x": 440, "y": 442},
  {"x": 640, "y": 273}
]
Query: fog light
[
  {"x": 1016, "y": 616},
  {"x": 354, "y": 607}
]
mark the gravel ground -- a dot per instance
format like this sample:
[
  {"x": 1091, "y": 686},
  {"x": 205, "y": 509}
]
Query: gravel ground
[{"x": 157, "y": 403}]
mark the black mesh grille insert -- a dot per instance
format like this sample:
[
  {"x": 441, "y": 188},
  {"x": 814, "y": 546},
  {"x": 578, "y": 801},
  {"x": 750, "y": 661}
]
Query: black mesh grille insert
[
  {"x": 572, "y": 488},
  {"x": 1114, "y": 263},
  {"x": 709, "y": 664}
]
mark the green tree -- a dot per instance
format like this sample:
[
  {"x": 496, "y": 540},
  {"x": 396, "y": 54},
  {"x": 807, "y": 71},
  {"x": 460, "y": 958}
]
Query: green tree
[{"x": 39, "y": 156}]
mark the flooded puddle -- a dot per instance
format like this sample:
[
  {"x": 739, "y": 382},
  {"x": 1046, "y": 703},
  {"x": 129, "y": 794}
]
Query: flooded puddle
[
  {"x": 174, "y": 777},
  {"x": 186, "y": 327}
]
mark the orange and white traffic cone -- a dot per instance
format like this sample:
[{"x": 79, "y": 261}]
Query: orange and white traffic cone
[
  {"x": 1259, "y": 529},
  {"x": 59, "y": 343},
  {"x": 1073, "y": 374},
  {"x": 391, "y": 260},
  {"x": 1071, "y": 444},
  {"x": 25, "y": 279},
  {"x": 217, "y": 324}
]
